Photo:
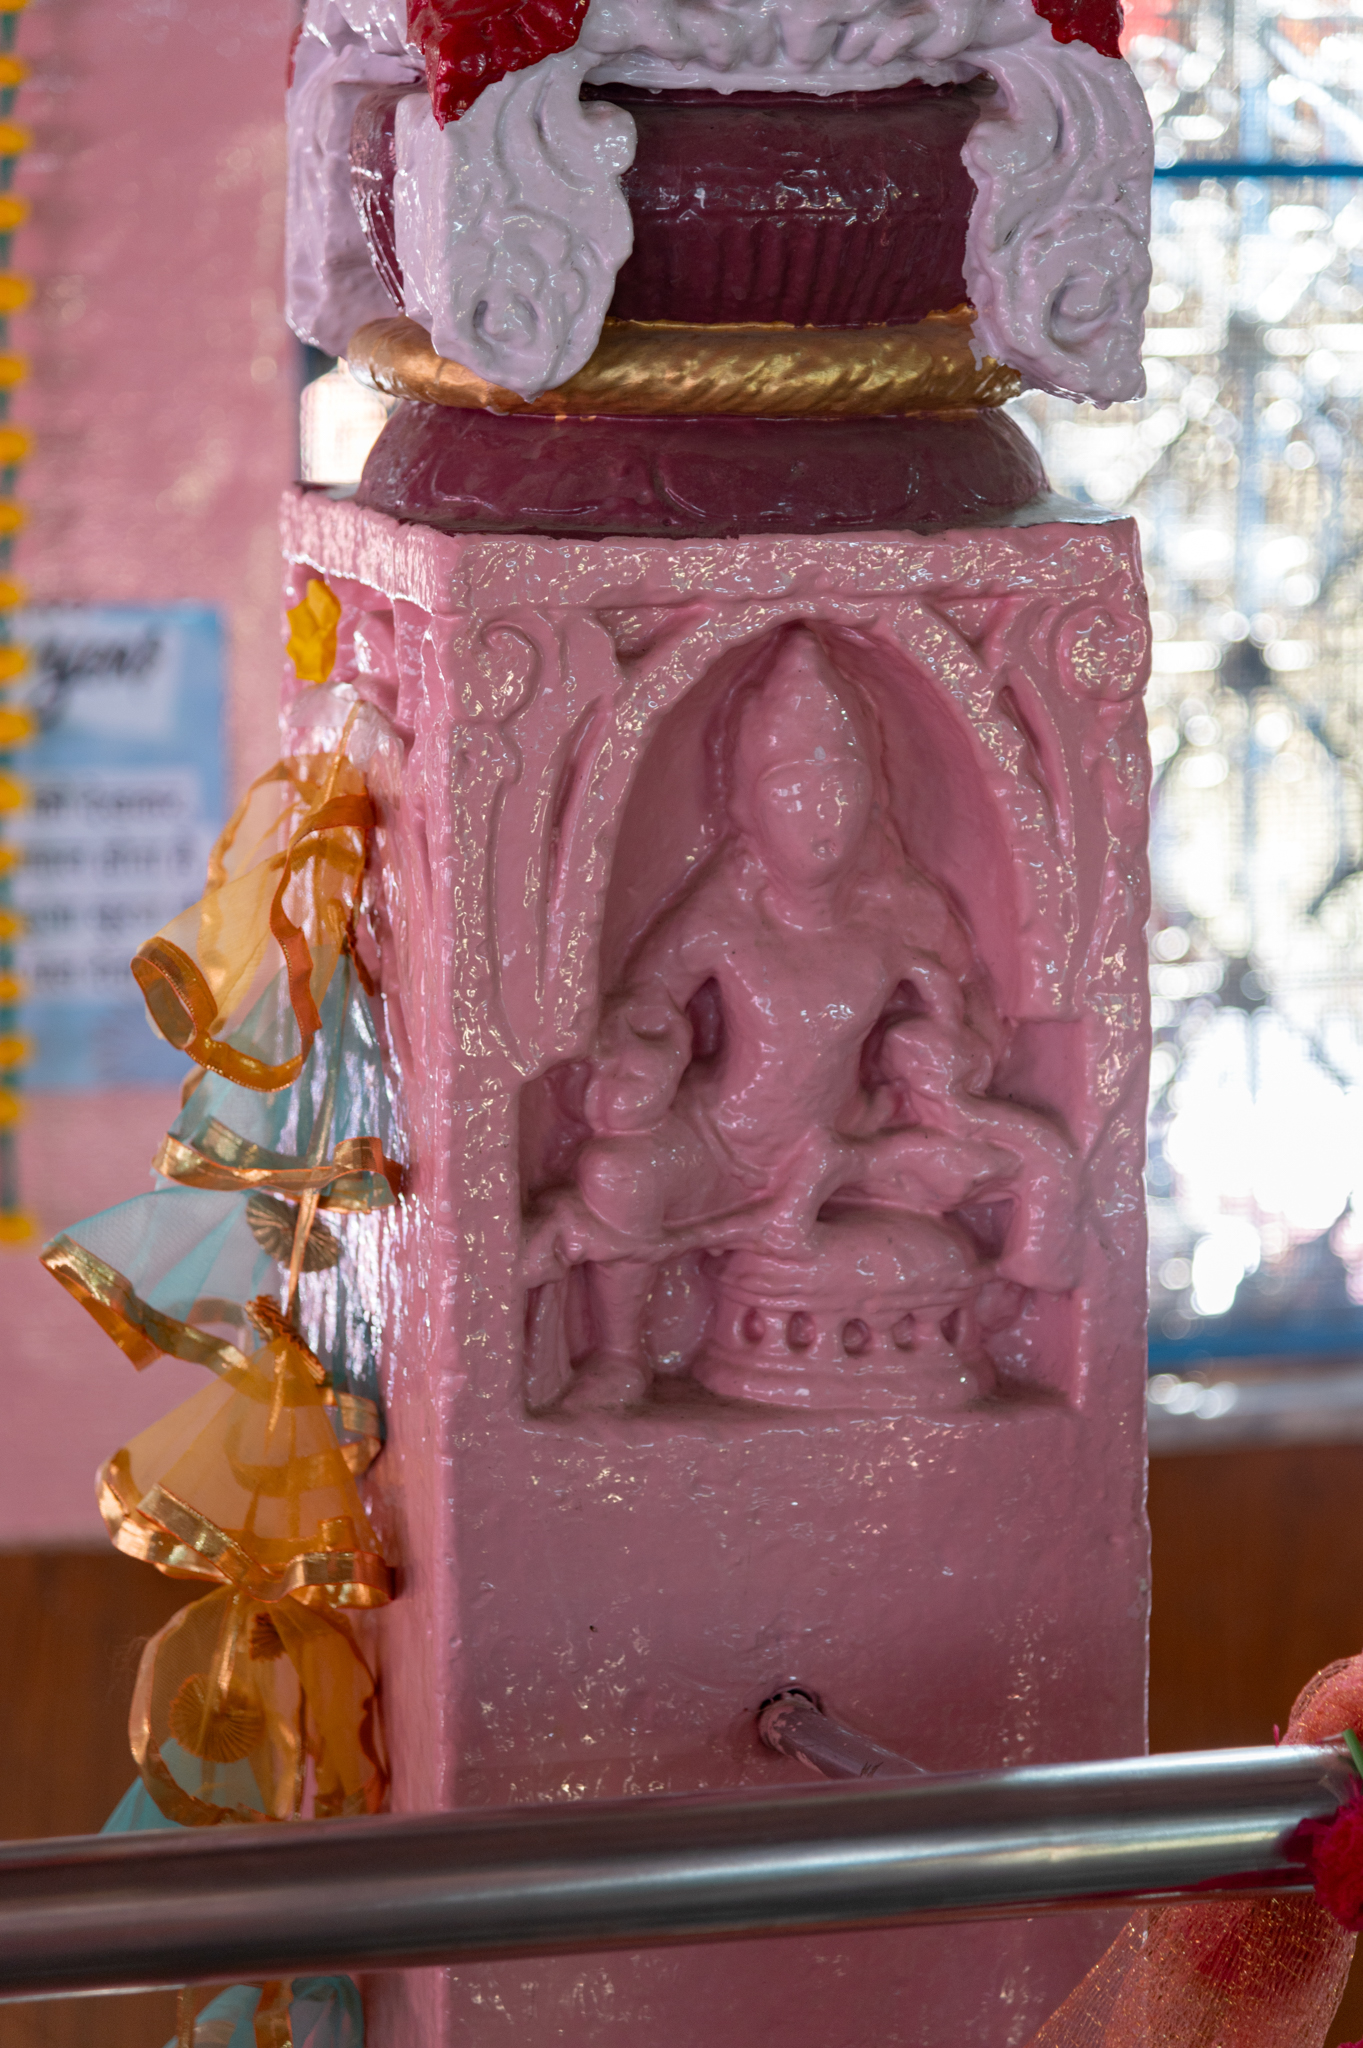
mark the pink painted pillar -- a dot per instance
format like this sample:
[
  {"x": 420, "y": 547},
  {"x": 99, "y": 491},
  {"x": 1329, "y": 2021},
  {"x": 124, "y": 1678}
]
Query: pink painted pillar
[{"x": 594, "y": 1600}]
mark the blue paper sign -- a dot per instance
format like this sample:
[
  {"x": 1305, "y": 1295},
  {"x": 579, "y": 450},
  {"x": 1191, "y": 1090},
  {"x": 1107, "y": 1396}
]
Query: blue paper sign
[{"x": 127, "y": 798}]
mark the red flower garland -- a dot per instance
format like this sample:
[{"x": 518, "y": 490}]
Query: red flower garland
[
  {"x": 1095, "y": 22},
  {"x": 1334, "y": 1857},
  {"x": 470, "y": 44}
]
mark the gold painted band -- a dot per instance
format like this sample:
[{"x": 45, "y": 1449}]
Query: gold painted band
[{"x": 644, "y": 369}]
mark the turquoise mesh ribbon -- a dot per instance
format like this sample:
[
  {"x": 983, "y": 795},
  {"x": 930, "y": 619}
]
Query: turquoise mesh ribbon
[
  {"x": 324, "y": 2012},
  {"x": 342, "y": 1092},
  {"x": 176, "y": 1267}
]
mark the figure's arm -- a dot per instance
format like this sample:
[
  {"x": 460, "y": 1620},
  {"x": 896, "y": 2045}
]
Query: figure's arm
[
  {"x": 1035, "y": 1165},
  {"x": 925, "y": 1171},
  {"x": 930, "y": 950},
  {"x": 1043, "y": 1246},
  {"x": 994, "y": 1146},
  {"x": 645, "y": 1042},
  {"x": 642, "y": 1050}
]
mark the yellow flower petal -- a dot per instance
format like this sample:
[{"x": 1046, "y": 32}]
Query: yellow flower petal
[{"x": 312, "y": 633}]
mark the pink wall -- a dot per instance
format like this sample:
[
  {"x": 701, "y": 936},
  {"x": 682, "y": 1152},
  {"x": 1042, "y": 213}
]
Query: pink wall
[{"x": 163, "y": 402}]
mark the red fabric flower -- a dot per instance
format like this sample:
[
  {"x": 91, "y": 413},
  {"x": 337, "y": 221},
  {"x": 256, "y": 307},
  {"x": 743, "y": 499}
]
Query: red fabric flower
[
  {"x": 470, "y": 44},
  {"x": 1334, "y": 1857},
  {"x": 1095, "y": 22}
]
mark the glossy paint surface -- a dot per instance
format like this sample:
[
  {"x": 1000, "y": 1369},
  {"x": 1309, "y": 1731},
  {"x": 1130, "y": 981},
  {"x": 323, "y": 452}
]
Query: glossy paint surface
[
  {"x": 373, "y": 166},
  {"x": 765, "y": 206},
  {"x": 595, "y": 1603},
  {"x": 476, "y": 472},
  {"x": 331, "y": 284},
  {"x": 758, "y": 206},
  {"x": 512, "y": 223}
]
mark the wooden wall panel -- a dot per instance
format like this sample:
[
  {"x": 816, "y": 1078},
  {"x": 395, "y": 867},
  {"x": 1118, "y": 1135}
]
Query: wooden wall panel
[
  {"x": 1258, "y": 1582},
  {"x": 74, "y": 1623}
]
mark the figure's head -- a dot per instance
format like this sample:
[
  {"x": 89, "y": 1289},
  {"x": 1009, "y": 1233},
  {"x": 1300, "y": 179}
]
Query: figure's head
[{"x": 803, "y": 787}]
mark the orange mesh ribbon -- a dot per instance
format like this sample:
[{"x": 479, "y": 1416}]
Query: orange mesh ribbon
[
  {"x": 245, "y": 1484},
  {"x": 282, "y": 887},
  {"x": 143, "y": 1333},
  {"x": 1252, "y": 1973},
  {"x": 235, "y": 1697},
  {"x": 271, "y": 2024},
  {"x": 356, "y": 1179}
]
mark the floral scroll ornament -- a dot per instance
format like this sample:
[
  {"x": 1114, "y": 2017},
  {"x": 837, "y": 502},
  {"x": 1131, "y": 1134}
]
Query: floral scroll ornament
[{"x": 1094, "y": 651}]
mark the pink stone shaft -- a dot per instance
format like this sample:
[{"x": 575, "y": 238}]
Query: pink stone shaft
[{"x": 596, "y": 1604}]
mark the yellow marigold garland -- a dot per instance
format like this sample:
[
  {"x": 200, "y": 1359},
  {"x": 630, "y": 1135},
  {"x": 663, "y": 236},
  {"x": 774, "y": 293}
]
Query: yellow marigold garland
[{"x": 16, "y": 726}]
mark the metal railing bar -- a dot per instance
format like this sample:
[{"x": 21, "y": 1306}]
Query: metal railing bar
[
  {"x": 795, "y": 1723},
  {"x": 94, "y": 1913}
]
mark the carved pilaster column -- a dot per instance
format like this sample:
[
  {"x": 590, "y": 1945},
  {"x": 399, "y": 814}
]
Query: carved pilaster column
[{"x": 598, "y": 1588}]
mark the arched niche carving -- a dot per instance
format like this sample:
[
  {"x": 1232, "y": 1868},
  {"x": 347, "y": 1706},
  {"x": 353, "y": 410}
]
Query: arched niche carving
[{"x": 781, "y": 1171}]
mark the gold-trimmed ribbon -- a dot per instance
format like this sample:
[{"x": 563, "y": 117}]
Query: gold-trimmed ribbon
[
  {"x": 234, "y": 1697},
  {"x": 144, "y": 1333},
  {"x": 245, "y": 1484},
  {"x": 304, "y": 821},
  {"x": 647, "y": 369},
  {"x": 140, "y": 1331},
  {"x": 356, "y": 1179},
  {"x": 156, "y": 1527}
]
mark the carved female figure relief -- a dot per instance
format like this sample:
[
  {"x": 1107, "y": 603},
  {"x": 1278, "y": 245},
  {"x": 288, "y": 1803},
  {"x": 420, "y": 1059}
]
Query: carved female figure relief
[{"x": 788, "y": 1094}]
